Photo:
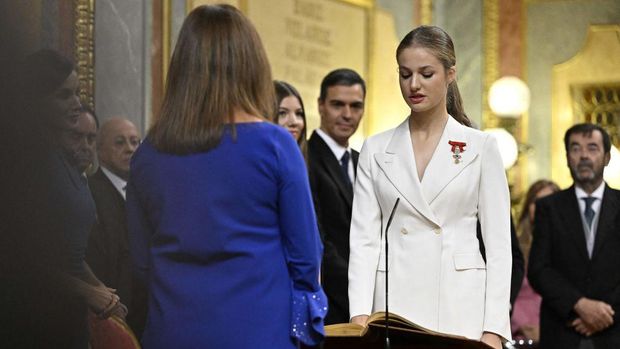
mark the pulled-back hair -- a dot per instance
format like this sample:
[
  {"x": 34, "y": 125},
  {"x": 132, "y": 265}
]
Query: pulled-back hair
[
  {"x": 524, "y": 224},
  {"x": 440, "y": 44},
  {"x": 218, "y": 66}
]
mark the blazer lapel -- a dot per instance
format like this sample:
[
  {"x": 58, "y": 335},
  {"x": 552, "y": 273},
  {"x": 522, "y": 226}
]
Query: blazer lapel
[
  {"x": 572, "y": 218},
  {"x": 442, "y": 168},
  {"x": 609, "y": 211},
  {"x": 398, "y": 164},
  {"x": 332, "y": 167}
]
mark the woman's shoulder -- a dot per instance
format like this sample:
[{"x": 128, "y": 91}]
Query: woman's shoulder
[
  {"x": 475, "y": 138},
  {"x": 266, "y": 134},
  {"x": 143, "y": 155},
  {"x": 267, "y": 129},
  {"x": 145, "y": 148},
  {"x": 474, "y": 133}
]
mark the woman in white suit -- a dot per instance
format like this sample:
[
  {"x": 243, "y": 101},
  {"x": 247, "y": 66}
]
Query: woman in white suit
[{"x": 448, "y": 177}]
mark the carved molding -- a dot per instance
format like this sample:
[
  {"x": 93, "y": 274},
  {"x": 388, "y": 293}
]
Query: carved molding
[
  {"x": 598, "y": 104},
  {"x": 85, "y": 49}
]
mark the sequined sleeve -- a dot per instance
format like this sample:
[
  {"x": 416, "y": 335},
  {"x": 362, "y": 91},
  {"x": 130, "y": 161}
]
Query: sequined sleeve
[
  {"x": 301, "y": 243},
  {"x": 309, "y": 310}
]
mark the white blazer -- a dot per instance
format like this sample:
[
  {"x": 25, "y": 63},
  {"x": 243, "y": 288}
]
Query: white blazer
[{"x": 437, "y": 277}]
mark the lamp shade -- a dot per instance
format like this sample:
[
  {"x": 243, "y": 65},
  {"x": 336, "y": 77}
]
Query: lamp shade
[
  {"x": 507, "y": 145},
  {"x": 509, "y": 97}
]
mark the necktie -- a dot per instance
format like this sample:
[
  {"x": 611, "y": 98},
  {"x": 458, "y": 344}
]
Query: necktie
[
  {"x": 589, "y": 212},
  {"x": 344, "y": 164}
]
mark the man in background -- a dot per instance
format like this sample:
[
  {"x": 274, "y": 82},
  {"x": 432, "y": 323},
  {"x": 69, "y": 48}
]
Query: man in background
[
  {"x": 108, "y": 246},
  {"x": 79, "y": 140},
  {"x": 575, "y": 257},
  {"x": 332, "y": 164}
]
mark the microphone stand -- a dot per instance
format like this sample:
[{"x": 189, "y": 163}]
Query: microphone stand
[{"x": 387, "y": 312}]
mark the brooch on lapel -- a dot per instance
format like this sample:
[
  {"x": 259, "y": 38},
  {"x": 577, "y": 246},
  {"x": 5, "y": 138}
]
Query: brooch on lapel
[{"x": 457, "y": 149}]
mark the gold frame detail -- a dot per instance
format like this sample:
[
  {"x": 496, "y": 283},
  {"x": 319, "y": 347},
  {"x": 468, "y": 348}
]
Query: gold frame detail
[
  {"x": 166, "y": 24},
  {"x": 491, "y": 58},
  {"x": 361, "y": 3},
  {"x": 84, "y": 49},
  {"x": 426, "y": 12}
]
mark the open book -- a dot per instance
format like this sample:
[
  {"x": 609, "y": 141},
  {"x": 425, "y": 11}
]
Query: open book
[
  {"x": 375, "y": 320},
  {"x": 402, "y": 330}
]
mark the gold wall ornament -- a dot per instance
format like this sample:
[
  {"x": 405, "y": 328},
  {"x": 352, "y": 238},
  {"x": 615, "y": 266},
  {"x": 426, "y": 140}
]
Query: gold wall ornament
[
  {"x": 584, "y": 89},
  {"x": 361, "y": 3},
  {"x": 84, "y": 49},
  {"x": 599, "y": 104},
  {"x": 426, "y": 12}
]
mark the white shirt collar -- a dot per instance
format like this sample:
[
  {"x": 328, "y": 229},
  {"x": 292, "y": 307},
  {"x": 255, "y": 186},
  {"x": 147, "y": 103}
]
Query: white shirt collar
[
  {"x": 118, "y": 183},
  {"x": 597, "y": 193},
  {"x": 336, "y": 148}
]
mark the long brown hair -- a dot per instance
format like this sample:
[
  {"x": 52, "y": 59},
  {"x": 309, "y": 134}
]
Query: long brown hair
[
  {"x": 530, "y": 197},
  {"x": 284, "y": 89},
  {"x": 524, "y": 225},
  {"x": 219, "y": 65},
  {"x": 440, "y": 44}
]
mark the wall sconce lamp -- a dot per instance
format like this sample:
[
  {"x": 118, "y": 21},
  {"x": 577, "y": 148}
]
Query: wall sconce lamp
[
  {"x": 508, "y": 148},
  {"x": 509, "y": 97}
]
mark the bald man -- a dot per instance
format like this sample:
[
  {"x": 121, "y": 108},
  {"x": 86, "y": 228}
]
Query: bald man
[{"x": 108, "y": 246}]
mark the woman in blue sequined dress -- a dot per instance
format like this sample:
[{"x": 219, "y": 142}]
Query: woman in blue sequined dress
[{"x": 221, "y": 220}]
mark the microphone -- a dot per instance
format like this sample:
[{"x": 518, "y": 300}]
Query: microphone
[{"x": 387, "y": 326}]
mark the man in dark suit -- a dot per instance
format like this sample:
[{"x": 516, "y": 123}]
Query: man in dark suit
[
  {"x": 575, "y": 257},
  {"x": 332, "y": 164},
  {"x": 108, "y": 246}
]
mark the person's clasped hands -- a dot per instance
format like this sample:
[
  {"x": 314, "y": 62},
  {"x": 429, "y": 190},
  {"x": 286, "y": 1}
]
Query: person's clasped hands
[
  {"x": 594, "y": 316},
  {"x": 104, "y": 302}
]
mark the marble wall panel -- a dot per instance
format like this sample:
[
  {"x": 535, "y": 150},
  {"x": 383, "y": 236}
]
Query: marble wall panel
[{"x": 121, "y": 74}]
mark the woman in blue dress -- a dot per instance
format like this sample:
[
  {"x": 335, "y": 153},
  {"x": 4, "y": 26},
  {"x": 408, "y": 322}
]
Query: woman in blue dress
[{"x": 221, "y": 220}]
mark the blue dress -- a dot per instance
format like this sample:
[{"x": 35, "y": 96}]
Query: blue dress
[{"x": 227, "y": 242}]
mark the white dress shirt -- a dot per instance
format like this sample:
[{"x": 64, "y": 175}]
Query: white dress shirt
[
  {"x": 338, "y": 151},
  {"x": 596, "y": 207},
  {"x": 118, "y": 183}
]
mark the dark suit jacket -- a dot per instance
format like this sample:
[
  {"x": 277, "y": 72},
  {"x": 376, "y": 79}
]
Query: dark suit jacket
[
  {"x": 560, "y": 270},
  {"x": 108, "y": 249},
  {"x": 332, "y": 199}
]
